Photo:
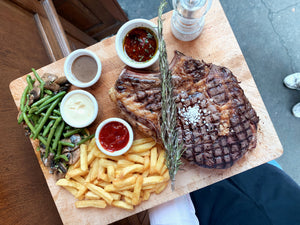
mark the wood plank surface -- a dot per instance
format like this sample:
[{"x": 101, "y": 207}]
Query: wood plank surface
[{"x": 216, "y": 44}]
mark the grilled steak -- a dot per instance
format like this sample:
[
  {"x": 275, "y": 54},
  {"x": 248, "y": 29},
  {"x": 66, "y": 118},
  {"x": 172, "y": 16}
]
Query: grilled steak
[{"x": 216, "y": 123}]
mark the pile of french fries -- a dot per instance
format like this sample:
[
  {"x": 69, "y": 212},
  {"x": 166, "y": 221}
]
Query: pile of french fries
[{"x": 98, "y": 180}]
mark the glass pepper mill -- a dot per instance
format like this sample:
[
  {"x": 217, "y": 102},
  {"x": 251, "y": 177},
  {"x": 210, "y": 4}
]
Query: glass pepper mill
[{"x": 188, "y": 18}]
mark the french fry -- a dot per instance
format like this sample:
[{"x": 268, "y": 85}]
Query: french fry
[
  {"x": 105, "y": 163},
  {"x": 153, "y": 160},
  {"x": 75, "y": 172},
  {"x": 103, "y": 183},
  {"x": 92, "y": 145},
  {"x": 100, "y": 192},
  {"x": 135, "y": 158},
  {"x": 101, "y": 171},
  {"x": 94, "y": 170},
  {"x": 152, "y": 180},
  {"x": 112, "y": 188},
  {"x": 163, "y": 170},
  {"x": 124, "y": 182},
  {"x": 121, "y": 181},
  {"x": 126, "y": 193},
  {"x": 137, "y": 190},
  {"x": 122, "y": 204},
  {"x": 146, "y": 162},
  {"x": 83, "y": 157},
  {"x": 79, "y": 179},
  {"x": 147, "y": 153},
  {"x": 111, "y": 173},
  {"x": 72, "y": 190},
  {"x": 160, "y": 161},
  {"x": 69, "y": 183},
  {"x": 81, "y": 192},
  {"x": 135, "y": 168},
  {"x": 142, "y": 141},
  {"x": 166, "y": 176},
  {"x": 160, "y": 187},
  {"x": 146, "y": 195},
  {"x": 91, "y": 156},
  {"x": 90, "y": 203},
  {"x": 124, "y": 163},
  {"x": 146, "y": 173},
  {"x": 142, "y": 148},
  {"x": 116, "y": 196},
  {"x": 91, "y": 196},
  {"x": 149, "y": 187},
  {"x": 100, "y": 154},
  {"x": 128, "y": 200}
]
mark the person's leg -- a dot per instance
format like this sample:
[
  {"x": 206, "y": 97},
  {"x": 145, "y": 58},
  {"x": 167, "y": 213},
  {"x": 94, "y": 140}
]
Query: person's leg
[{"x": 263, "y": 195}]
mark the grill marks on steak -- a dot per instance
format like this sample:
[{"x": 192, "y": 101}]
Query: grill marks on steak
[{"x": 216, "y": 123}]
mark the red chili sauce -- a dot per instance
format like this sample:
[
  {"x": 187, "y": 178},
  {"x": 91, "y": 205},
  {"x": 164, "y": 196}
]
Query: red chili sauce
[
  {"x": 140, "y": 44},
  {"x": 114, "y": 136}
]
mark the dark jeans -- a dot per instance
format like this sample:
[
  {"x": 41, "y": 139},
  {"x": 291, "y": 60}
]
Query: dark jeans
[{"x": 260, "y": 196}]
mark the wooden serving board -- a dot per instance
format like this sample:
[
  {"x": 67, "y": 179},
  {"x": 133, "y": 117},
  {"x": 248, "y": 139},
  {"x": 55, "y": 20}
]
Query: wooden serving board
[{"x": 216, "y": 44}]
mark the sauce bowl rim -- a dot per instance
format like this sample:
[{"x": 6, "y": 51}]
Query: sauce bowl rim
[
  {"x": 123, "y": 31},
  {"x": 121, "y": 151},
  {"x": 95, "y": 106},
  {"x": 68, "y": 67}
]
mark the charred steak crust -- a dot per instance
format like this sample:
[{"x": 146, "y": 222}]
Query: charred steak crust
[{"x": 216, "y": 123}]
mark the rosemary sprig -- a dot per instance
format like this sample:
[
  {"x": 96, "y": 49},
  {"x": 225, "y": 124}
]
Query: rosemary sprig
[{"x": 168, "y": 107}]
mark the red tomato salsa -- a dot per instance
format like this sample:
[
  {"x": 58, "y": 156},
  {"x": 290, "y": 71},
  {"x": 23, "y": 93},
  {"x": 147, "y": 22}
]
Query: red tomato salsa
[
  {"x": 140, "y": 44},
  {"x": 114, "y": 136}
]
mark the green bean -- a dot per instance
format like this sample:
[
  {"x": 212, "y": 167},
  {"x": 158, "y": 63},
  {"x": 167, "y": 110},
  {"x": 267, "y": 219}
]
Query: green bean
[
  {"x": 31, "y": 127},
  {"x": 68, "y": 127},
  {"x": 42, "y": 89},
  {"x": 23, "y": 98},
  {"x": 29, "y": 82},
  {"x": 70, "y": 133},
  {"x": 58, "y": 134},
  {"x": 47, "y": 129},
  {"x": 59, "y": 149},
  {"x": 45, "y": 118},
  {"x": 42, "y": 108},
  {"x": 57, "y": 112},
  {"x": 69, "y": 144},
  {"x": 20, "y": 119},
  {"x": 37, "y": 103},
  {"x": 52, "y": 130},
  {"x": 85, "y": 139},
  {"x": 35, "y": 119},
  {"x": 64, "y": 157},
  {"x": 42, "y": 139},
  {"x": 54, "y": 117},
  {"x": 53, "y": 98},
  {"x": 51, "y": 116},
  {"x": 42, "y": 83},
  {"x": 48, "y": 92},
  {"x": 37, "y": 76},
  {"x": 33, "y": 109}
]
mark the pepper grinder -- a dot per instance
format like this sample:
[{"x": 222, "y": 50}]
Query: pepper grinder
[{"x": 188, "y": 18}]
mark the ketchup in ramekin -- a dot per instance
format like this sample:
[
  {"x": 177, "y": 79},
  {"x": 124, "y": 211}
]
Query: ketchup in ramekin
[{"x": 114, "y": 136}]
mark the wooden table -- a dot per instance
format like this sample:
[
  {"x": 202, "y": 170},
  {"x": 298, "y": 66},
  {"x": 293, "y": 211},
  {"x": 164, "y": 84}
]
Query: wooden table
[{"x": 24, "y": 194}]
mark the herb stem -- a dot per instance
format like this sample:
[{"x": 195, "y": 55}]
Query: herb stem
[{"x": 169, "y": 134}]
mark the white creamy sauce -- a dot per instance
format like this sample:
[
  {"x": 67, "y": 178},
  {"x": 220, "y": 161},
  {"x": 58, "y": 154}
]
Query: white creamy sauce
[{"x": 78, "y": 108}]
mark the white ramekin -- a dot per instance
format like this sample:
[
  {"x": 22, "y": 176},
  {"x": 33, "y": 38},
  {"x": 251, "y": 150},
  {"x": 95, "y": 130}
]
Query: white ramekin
[
  {"x": 121, "y": 151},
  {"x": 120, "y": 40},
  {"x": 68, "y": 67},
  {"x": 78, "y": 124}
]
